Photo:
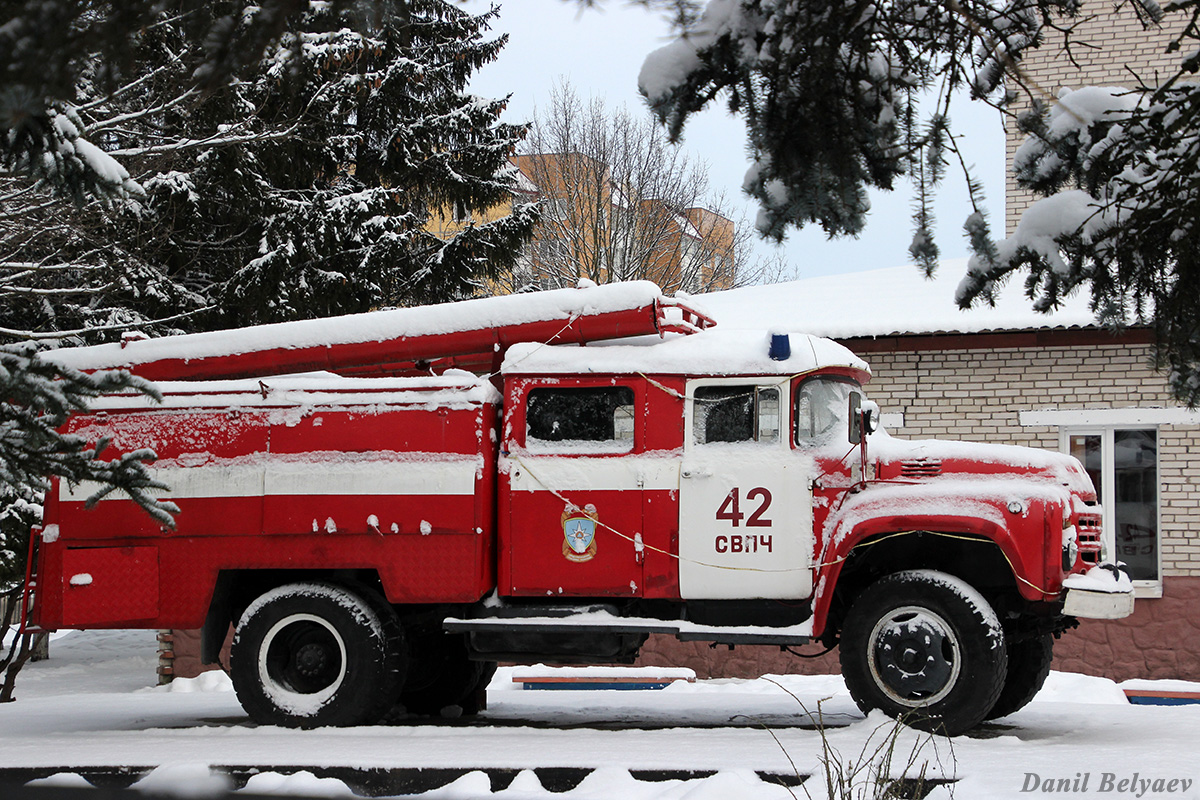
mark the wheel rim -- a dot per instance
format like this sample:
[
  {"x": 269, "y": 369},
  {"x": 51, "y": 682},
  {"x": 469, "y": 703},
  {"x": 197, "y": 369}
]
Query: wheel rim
[
  {"x": 915, "y": 656},
  {"x": 302, "y": 662}
]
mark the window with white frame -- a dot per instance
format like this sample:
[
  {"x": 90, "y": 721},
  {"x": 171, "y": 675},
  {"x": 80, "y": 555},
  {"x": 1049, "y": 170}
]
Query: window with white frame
[
  {"x": 735, "y": 413},
  {"x": 1123, "y": 464}
]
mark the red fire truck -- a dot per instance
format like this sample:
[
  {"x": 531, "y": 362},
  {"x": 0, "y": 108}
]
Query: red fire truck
[{"x": 385, "y": 505}]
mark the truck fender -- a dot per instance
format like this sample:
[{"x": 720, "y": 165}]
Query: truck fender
[{"x": 843, "y": 539}]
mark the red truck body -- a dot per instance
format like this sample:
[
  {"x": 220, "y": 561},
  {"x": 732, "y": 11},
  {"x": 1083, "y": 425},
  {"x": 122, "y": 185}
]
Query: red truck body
[{"x": 562, "y": 507}]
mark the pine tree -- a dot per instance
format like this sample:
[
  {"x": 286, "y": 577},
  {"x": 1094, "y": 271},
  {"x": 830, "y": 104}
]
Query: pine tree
[{"x": 301, "y": 189}]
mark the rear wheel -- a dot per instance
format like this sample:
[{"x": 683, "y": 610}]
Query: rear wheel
[
  {"x": 1028, "y": 665},
  {"x": 926, "y": 648},
  {"x": 312, "y": 654},
  {"x": 476, "y": 699}
]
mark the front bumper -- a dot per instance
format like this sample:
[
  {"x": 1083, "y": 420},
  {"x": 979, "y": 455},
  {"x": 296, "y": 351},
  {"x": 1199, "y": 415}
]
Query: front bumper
[
  {"x": 1103, "y": 592},
  {"x": 1091, "y": 604}
]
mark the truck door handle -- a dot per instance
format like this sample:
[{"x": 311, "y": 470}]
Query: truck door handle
[{"x": 696, "y": 473}]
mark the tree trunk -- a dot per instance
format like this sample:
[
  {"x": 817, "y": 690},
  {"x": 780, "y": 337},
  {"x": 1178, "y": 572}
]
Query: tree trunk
[{"x": 24, "y": 651}]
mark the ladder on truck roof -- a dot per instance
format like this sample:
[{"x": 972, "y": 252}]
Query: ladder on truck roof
[{"x": 469, "y": 334}]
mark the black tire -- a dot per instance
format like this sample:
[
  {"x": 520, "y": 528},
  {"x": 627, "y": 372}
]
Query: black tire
[
  {"x": 306, "y": 655},
  {"x": 441, "y": 674},
  {"x": 1028, "y": 665},
  {"x": 476, "y": 699},
  {"x": 927, "y": 649}
]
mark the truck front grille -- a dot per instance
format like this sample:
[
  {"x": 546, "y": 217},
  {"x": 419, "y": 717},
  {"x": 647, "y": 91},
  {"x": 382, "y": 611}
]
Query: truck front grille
[{"x": 1088, "y": 538}]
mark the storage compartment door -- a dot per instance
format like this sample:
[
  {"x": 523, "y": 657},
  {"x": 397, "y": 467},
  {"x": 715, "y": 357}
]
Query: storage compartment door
[{"x": 105, "y": 587}]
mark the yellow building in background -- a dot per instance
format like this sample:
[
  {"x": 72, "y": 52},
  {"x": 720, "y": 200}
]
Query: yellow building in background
[{"x": 594, "y": 228}]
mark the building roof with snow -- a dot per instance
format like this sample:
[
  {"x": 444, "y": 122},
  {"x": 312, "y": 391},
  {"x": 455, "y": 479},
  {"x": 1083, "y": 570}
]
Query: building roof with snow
[{"x": 897, "y": 301}]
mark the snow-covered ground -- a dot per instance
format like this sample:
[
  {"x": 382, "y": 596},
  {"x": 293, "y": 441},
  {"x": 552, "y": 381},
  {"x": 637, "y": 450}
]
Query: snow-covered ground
[{"x": 90, "y": 706}]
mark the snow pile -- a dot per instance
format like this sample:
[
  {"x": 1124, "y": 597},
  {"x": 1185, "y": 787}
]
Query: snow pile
[
  {"x": 298, "y": 784},
  {"x": 61, "y": 780},
  {"x": 1099, "y": 579},
  {"x": 188, "y": 781},
  {"x": 1071, "y": 687},
  {"x": 212, "y": 681}
]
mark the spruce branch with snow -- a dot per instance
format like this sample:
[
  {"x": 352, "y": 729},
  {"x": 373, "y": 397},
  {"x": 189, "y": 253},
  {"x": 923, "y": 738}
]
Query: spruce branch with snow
[
  {"x": 1119, "y": 175},
  {"x": 830, "y": 95},
  {"x": 36, "y": 397},
  {"x": 46, "y": 47}
]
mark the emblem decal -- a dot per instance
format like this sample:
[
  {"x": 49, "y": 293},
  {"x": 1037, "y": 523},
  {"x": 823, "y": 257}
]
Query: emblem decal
[{"x": 579, "y": 533}]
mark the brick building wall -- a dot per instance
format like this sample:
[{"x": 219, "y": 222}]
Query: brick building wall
[
  {"x": 976, "y": 390},
  {"x": 1110, "y": 46}
]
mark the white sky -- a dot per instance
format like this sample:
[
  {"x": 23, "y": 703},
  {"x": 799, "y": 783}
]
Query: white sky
[{"x": 600, "y": 52}]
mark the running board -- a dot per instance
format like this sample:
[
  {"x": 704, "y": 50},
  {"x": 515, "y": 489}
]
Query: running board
[{"x": 603, "y": 623}]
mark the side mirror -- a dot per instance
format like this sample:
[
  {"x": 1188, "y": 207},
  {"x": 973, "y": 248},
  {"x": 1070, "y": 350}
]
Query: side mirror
[
  {"x": 862, "y": 418},
  {"x": 856, "y": 418}
]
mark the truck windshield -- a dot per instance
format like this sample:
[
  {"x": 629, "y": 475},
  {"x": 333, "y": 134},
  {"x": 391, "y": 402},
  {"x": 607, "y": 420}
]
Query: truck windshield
[{"x": 821, "y": 407}]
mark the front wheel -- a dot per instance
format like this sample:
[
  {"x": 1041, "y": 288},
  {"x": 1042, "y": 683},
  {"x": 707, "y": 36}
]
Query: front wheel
[
  {"x": 312, "y": 654},
  {"x": 926, "y": 648}
]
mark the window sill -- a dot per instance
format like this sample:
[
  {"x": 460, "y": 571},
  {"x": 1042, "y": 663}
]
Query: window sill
[{"x": 1147, "y": 589}]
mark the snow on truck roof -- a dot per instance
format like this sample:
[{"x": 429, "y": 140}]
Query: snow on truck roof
[
  {"x": 710, "y": 352},
  {"x": 470, "y": 333}
]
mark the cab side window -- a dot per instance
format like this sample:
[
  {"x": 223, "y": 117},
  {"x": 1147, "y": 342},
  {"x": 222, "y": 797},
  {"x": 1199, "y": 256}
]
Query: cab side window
[
  {"x": 559, "y": 416},
  {"x": 735, "y": 414}
]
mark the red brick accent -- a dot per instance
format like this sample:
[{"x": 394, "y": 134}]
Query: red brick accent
[
  {"x": 1160, "y": 640},
  {"x": 187, "y": 653}
]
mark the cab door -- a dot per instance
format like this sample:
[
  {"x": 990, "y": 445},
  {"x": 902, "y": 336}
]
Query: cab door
[
  {"x": 572, "y": 512},
  {"x": 745, "y": 502}
]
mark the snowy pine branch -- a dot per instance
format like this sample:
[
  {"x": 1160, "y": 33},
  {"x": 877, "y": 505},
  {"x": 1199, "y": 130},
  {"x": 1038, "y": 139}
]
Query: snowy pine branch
[{"x": 38, "y": 398}]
